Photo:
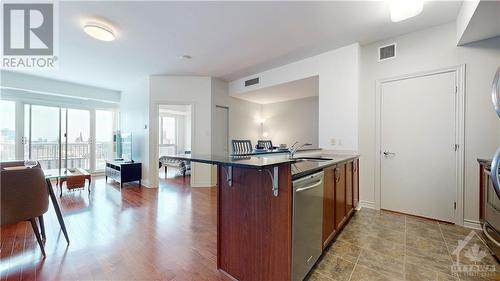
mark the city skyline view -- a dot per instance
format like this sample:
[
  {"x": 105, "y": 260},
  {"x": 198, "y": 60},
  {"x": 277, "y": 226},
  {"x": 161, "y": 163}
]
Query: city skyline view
[{"x": 45, "y": 134}]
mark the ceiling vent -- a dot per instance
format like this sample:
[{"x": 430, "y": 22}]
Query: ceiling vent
[
  {"x": 252, "y": 81},
  {"x": 387, "y": 52}
]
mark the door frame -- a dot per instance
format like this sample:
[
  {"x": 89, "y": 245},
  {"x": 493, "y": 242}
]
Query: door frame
[
  {"x": 459, "y": 71},
  {"x": 154, "y": 128},
  {"x": 228, "y": 145}
]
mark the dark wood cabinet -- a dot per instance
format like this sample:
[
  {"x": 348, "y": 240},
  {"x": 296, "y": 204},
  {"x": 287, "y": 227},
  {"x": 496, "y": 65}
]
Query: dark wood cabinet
[
  {"x": 123, "y": 172},
  {"x": 254, "y": 227},
  {"x": 355, "y": 183},
  {"x": 328, "y": 205},
  {"x": 349, "y": 187},
  {"x": 340, "y": 196}
]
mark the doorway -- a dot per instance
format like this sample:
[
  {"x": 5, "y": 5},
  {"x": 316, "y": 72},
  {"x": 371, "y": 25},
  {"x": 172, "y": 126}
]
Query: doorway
[
  {"x": 221, "y": 130},
  {"x": 420, "y": 145},
  {"x": 174, "y": 137}
]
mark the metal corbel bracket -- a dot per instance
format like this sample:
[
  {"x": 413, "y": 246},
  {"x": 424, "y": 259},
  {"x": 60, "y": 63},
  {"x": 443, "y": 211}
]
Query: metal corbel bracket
[
  {"x": 274, "y": 179},
  {"x": 229, "y": 174}
]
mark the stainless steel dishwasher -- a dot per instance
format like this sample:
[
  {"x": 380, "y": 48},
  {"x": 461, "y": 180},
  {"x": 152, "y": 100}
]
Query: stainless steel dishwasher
[{"x": 307, "y": 223}]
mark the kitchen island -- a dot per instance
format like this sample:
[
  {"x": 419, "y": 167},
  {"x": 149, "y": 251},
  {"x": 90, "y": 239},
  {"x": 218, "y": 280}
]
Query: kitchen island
[{"x": 255, "y": 208}]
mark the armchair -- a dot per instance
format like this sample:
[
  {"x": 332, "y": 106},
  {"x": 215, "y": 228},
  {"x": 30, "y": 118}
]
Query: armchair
[{"x": 23, "y": 196}]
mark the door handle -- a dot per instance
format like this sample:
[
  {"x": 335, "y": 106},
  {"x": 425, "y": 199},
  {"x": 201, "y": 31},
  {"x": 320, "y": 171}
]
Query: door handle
[
  {"x": 388, "y": 153},
  {"x": 495, "y": 92},
  {"x": 495, "y": 180},
  {"x": 316, "y": 184}
]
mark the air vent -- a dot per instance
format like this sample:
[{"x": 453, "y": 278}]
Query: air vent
[
  {"x": 387, "y": 52},
  {"x": 252, "y": 81}
]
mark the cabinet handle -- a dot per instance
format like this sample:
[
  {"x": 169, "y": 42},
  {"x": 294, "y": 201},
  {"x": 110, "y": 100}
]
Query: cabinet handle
[
  {"x": 355, "y": 167},
  {"x": 337, "y": 175}
]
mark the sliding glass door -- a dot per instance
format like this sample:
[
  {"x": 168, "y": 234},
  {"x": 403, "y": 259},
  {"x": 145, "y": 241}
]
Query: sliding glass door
[
  {"x": 60, "y": 137},
  {"x": 104, "y": 127},
  {"x": 77, "y": 140},
  {"x": 42, "y": 141}
]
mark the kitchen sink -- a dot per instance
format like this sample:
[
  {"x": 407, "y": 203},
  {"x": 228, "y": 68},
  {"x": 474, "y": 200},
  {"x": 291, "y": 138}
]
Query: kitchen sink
[{"x": 312, "y": 159}]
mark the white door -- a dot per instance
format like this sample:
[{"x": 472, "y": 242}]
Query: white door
[
  {"x": 418, "y": 173},
  {"x": 221, "y": 130}
]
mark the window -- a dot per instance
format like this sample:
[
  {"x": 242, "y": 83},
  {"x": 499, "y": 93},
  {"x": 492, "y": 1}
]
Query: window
[
  {"x": 168, "y": 130},
  {"x": 7, "y": 130},
  {"x": 104, "y": 127},
  {"x": 168, "y": 135},
  {"x": 77, "y": 138},
  {"x": 44, "y": 132},
  {"x": 57, "y": 137}
]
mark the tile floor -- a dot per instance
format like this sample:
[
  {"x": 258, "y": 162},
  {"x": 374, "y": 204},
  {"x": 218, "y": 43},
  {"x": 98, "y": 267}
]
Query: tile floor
[{"x": 385, "y": 246}]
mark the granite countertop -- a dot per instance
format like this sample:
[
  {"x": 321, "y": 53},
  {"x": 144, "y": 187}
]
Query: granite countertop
[
  {"x": 299, "y": 168},
  {"x": 246, "y": 161},
  {"x": 304, "y": 168}
]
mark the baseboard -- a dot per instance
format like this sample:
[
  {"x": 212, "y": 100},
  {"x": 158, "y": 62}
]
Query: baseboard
[
  {"x": 472, "y": 224},
  {"x": 367, "y": 204},
  {"x": 202, "y": 184},
  {"x": 147, "y": 184}
]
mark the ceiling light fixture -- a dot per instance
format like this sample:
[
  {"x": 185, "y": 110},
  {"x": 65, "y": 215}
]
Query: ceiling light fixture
[
  {"x": 405, "y": 9},
  {"x": 99, "y": 31}
]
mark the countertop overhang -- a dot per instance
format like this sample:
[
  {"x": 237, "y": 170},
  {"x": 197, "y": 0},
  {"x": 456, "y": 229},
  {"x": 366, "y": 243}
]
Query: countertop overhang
[
  {"x": 244, "y": 161},
  {"x": 299, "y": 168}
]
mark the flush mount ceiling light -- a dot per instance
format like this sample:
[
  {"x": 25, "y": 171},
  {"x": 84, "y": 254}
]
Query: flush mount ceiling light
[
  {"x": 405, "y": 9},
  {"x": 99, "y": 31}
]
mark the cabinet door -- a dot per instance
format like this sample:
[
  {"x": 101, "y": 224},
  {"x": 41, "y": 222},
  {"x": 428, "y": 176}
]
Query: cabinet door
[
  {"x": 348, "y": 187},
  {"x": 355, "y": 183},
  {"x": 328, "y": 205},
  {"x": 340, "y": 203}
]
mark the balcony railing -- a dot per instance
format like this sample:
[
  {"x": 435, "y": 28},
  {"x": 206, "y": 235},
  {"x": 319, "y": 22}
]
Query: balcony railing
[{"x": 47, "y": 153}]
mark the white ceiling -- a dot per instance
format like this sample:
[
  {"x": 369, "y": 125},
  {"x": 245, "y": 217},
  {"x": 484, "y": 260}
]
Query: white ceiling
[
  {"x": 298, "y": 89},
  {"x": 225, "y": 39}
]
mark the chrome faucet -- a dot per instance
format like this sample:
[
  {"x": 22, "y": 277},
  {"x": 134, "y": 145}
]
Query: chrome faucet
[{"x": 294, "y": 148}]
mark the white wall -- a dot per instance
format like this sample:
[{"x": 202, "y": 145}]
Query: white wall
[
  {"x": 428, "y": 50},
  {"x": 134, "y": 115},
  {"x": 290, "y": 121},
  {"x": 243, "y": 115},
  {"x": 338, "y": 72},
  {"x": 194, "y": 90}
]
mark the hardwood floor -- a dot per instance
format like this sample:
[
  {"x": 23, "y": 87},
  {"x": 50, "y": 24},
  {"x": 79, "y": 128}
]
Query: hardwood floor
[{"x": 167, "y": 233}]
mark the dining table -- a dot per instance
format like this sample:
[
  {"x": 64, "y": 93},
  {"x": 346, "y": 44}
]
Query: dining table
[{"x": 62, "y": 175}]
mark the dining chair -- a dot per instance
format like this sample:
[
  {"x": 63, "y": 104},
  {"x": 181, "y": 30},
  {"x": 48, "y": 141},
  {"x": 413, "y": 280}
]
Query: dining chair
[
  {"x": 23, "y": 197},
  {"x": 241, "y": 146},
  {"x": 265, "y": 144}
]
